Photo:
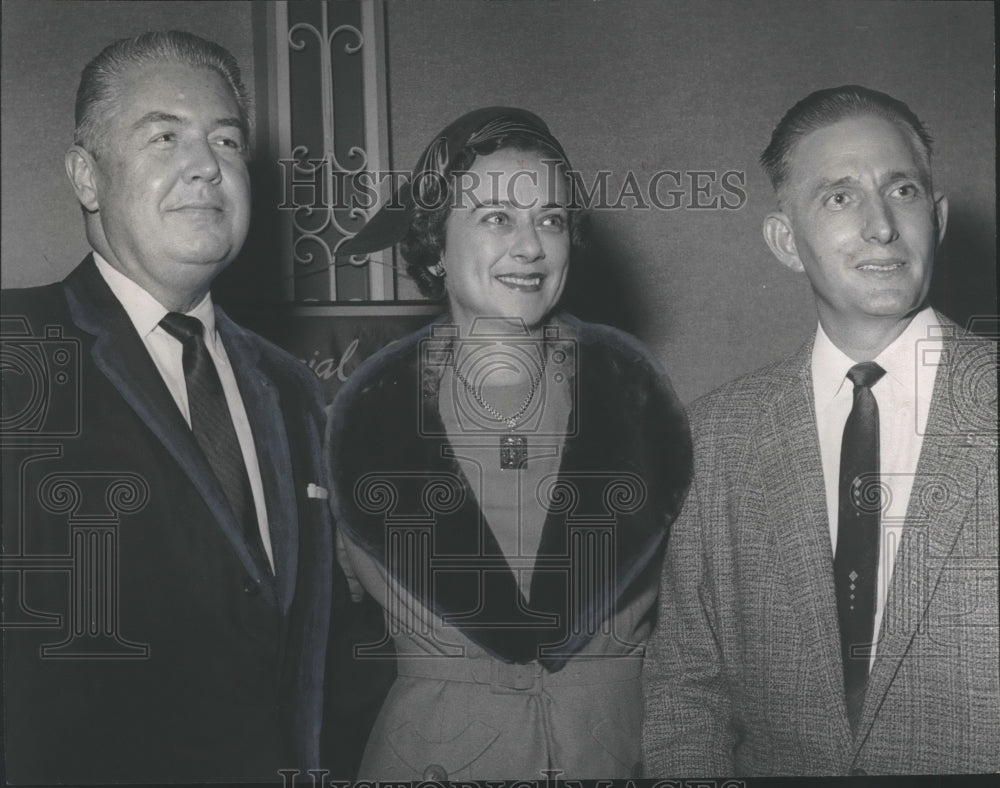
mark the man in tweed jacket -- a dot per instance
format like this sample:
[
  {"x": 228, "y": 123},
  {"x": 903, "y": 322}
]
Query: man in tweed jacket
[{"x": 745, "y": 674}]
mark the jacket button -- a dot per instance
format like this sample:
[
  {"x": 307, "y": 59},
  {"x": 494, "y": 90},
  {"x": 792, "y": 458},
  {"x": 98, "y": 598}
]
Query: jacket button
[
  {"x": 435, "y": 773},
  {"x": 250, "y": 587}
]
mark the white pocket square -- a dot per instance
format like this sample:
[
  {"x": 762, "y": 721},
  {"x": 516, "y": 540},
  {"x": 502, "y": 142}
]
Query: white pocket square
[{"x": 315, "y": 491}]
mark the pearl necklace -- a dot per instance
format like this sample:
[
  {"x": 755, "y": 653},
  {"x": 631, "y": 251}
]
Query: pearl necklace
[{"x": 513, "y": 448}]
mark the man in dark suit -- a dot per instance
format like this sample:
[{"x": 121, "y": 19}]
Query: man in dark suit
[
  {"x": 167, "y": 545},
  {"x": 829, "y": 599}
]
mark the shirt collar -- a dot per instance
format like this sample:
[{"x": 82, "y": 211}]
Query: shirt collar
[
  {"x": 143, "y": 310},
  {"x": 899, "y": 360},
  {"x": 829, "y": 368}
]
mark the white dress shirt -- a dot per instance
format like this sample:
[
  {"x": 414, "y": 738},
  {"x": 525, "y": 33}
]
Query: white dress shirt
[
  {"x": 903, "y": 395},
  {"x": 146, "y": 312}
]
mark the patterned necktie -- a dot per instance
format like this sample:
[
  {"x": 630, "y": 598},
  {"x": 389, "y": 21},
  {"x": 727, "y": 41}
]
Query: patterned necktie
[
  {"x": 213, "y": 428},
  {"x": 855, "y": 566}
]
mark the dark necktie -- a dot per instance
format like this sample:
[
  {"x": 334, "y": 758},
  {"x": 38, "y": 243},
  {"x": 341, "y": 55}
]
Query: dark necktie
[
  {"x": 213, "y": 428},
  {"x": 855, "y": 566}
]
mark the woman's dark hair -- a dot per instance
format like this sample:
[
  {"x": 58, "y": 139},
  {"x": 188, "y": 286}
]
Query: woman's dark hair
[{"x": 423, "y": 244}]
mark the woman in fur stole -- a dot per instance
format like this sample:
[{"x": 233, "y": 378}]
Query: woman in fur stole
[{"x": 504, "y": 480}]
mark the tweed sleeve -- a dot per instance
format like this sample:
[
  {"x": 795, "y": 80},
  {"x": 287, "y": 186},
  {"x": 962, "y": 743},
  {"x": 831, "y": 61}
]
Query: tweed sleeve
[{"x": 687, "y": 729}]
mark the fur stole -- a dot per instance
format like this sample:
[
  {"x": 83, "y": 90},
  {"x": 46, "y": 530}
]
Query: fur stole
[{"x": 625, "y": 469}]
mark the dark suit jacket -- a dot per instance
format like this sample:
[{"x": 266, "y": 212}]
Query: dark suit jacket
[
  {"x": 142, "y": 642},
  {"x": 744, "y": 671}
]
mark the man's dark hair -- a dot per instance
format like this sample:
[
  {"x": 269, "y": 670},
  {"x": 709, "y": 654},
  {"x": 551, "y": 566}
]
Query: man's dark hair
[
  {"x": 98, "y": 94},
  {"x": 828, "y": 106}
]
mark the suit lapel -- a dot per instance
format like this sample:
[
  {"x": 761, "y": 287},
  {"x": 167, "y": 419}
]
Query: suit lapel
[
  {"x": 121, "y": 356},
  {"x": 261, "y": 399},
  {"x": 953, "y": 454},
  {"x": 792, "y": 465}
]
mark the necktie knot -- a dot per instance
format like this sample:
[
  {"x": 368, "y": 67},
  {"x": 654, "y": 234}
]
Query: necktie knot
[
  {"x": 866, "y": 374},
  {"x": 182, "y": 327}
]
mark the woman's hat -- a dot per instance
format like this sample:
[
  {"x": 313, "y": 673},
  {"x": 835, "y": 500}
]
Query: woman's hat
[{"x": 390, "y": 224}]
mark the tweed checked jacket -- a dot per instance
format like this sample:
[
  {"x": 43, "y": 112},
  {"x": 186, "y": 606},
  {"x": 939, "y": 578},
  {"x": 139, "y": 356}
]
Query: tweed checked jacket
[{"x": 744, "y": 675}]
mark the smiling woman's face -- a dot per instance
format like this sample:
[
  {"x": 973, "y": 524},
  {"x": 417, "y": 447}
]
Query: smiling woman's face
[{"x": 507, "y": 239}]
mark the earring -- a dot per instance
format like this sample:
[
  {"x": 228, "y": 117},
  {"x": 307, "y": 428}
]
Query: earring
[{"x": 437, "y": 269}]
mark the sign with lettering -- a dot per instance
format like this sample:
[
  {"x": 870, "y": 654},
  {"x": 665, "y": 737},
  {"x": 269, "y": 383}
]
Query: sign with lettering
[{"x": 334, "y": 340}]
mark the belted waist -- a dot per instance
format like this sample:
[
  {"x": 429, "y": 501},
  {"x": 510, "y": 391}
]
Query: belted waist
[{"x": 530, "y": 678}]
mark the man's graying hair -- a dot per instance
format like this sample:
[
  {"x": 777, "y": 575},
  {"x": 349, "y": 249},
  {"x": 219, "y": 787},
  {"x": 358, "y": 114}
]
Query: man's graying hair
[
  {"x": 826, "y": 107},
  {"x": 98, "y": 94}
]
